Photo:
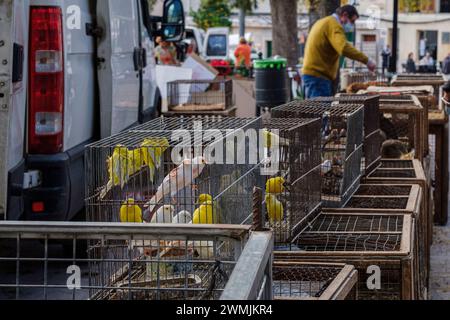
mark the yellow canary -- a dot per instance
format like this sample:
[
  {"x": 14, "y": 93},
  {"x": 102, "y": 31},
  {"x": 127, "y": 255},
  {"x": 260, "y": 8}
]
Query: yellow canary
[
  {"x": 275, "y": 185},
  {"x": 275, "y": 208},
  {"x": 117, "y": 166},
  {"x": 270, "y": 138},
  {"x": 205, "y": 214},
  {"x": 130, "y": 212},
  {"x": 203, "y": 198},
  {"x": 154, "y": 149}
]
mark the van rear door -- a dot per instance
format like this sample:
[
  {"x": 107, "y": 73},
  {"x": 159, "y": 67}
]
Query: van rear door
[
  {"x": 13, "y": 30},
  {"x": 119, "y": 63},
  {"x": 6, "y": 24}
]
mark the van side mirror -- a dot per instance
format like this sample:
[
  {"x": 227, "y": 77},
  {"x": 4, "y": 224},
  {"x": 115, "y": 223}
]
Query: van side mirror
[{"x": 172, "y": 27}]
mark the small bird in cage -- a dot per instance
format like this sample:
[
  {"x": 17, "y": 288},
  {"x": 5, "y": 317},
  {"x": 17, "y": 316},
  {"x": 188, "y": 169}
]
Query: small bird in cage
[
  {"x": 276, "y": 185},
  {"x": 333, "y": 138},
  {"x": 163, "y": 215},
  {"x": 183, "y": 217},
  {"x": 124, "y": 163},
  {"x": 207, "y": 199},
  {"x": 343, "y": 137},
  {"x": 130, "y": 212},
  {"x": 395, "y": 149},
  {"x": 177, "y": 180},
  {"x": 270, "y": 138},
  {"x": 275, "y": 208},
  {"x": 205, "y": 214},
  {"x": 326, "y": 125}
]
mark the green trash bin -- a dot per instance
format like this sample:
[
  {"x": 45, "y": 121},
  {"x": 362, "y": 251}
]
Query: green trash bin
[{"x": 271, "y": 83}]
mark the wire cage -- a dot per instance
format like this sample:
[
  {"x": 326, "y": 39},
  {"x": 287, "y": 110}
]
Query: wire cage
[
  {"x": 400, "y": 199},
  {"x": 314, "y": 281},
  {"x": 399, "y": 172},
  {"x": 193, "y": 170},
  {"x": 190, "y": 269},
  {"x": 342, "y": 145},
  {"x": 372, "y": 133},
  {"x": 200, "y": 95},
  {"x": 293, "y": 192},
  {"x": 370, "y": 242},
  {"x": 361, "y": 80},
  {"x": 125, "y": 261},
  {"x": 404, "y": 119},
  {"x": 437, "y": 81}
]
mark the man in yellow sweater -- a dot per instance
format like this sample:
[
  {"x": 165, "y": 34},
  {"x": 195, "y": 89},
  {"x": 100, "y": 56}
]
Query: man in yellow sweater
[{"x": 326, "y": 44}]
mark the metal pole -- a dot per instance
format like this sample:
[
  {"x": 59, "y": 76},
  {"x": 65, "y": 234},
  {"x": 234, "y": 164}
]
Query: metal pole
[
  {"x": 395, "y": 39},
  {"x": 242, "y": 22}
]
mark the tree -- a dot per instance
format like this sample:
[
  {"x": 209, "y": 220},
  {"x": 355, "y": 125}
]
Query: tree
[
  {"x": 244, "y": 6},
  {"x": 212, "y": 13},
  {"x": 321, "y": 8},
  {"x": 285, "y": 30}
]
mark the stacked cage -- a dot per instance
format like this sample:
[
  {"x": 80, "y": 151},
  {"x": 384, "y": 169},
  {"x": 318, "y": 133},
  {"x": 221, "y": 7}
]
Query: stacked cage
[
  {"x": 292, "y": 184},
  {"x": 361, "y": 80},
  {"x": 342, "y": 145},
  {"x": 125, "y": 261},
  {"x": 413, "y": 80},
  {"x": 404, "y": 120},
  {"x": 398, "y": 199},
  {"x": 200, "y": 95},
  {"x": 175, "y": 170},
  {"x": 372, "y": 133},
  {"x": 186, "y": 267},
  {"x": 373, "y": 243},
  {"x": 314, "y": 281},
  {"x": 398, "y": 172}
]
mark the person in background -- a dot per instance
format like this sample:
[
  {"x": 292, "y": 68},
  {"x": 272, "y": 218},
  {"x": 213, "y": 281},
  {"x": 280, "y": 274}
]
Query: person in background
[
  {"x": 243, "y": 54},
  {"x": 192, "y": 47},
  {"x": 411, "y": 64},
  {"x": 386, "y": 56},
  {"x": 446, "y": 65},
  {"x": 326, "y": 44},
  {"x": 165, "y": 53},
  {"x": 427, "y": 63},
  {"x": 446, "y": 96}
]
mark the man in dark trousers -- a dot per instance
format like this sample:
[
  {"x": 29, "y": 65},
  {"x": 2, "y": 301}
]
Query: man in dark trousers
[
  {"x": 326, "y": 44},
  {"x": 386, "y": 56},
  {"x": 446, "y": 65}
]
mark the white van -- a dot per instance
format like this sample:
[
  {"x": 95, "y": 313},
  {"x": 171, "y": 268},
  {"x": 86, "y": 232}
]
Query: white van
[
  {"x": 216, "y": 44},
  {"x": 71, "y": 72}
]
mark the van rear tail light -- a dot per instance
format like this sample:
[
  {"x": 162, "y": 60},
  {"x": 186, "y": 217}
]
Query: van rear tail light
[{"x": 46, "y": 81}]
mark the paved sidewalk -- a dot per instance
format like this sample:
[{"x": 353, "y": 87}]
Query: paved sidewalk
[{"x": 440, "y": 264}]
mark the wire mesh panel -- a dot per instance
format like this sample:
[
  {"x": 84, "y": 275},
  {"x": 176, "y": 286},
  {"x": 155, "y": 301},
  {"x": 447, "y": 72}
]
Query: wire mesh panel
[
  {"x": 342, "y": 145},
  {"x": 197, "y": 95},
  {"x": 294, "y": 192},
  {"x": 117, "y": 261},
  {"x": 193, "y": 170},
  {"x": 382, "y": 242},
  {"x": 402, "y": 199},
  {"x": 372, "y": 133},
  {"x": 403, "y": 119},
  {"x": 314, "y": 281},
  {"x": 410, "y": 172}
]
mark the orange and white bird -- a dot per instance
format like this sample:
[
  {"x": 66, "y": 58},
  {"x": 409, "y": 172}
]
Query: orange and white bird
[{"x": 177, "y": 180}]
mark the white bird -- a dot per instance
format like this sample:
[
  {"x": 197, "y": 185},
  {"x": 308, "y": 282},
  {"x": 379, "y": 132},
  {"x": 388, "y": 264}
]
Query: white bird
[
  {"x": 183, "y": 217},
  {"x": 178, "y": 179},
  {"x": 164, "y": 215},
  {"x": 326, "y": 167}
]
